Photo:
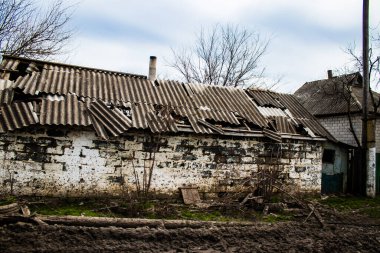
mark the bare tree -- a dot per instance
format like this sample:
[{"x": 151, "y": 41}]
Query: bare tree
[
  {"x": 226, "y": 55},
  {"x": 28, "y": 31},
  {"x": 374, "y": 65},
  {"x": 341, "y": 89}
]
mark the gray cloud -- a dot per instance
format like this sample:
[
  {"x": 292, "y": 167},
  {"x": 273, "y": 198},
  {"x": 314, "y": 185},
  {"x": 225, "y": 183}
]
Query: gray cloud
[{"x": 308, "y": 36}]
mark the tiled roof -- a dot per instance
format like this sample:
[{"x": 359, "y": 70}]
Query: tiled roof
[
  {"x": 114, "y": 102},
  {"x": 332, "y": 96}
]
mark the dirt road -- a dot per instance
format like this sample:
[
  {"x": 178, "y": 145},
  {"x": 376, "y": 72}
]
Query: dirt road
[{"x": 279, "y": 237}]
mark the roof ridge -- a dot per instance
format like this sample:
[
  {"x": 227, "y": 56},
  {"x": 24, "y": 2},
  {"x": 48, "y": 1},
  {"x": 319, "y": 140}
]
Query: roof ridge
[
  {"x": 334, "y": 77},
  {"x": 72, "y": 66}
]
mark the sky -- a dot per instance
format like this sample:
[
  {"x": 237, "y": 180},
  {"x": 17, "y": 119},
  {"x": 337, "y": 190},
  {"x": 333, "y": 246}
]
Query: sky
[{"x": 306, "y": 37}]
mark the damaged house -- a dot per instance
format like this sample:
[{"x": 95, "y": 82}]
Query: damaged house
[{"x": 76, "y": 131}]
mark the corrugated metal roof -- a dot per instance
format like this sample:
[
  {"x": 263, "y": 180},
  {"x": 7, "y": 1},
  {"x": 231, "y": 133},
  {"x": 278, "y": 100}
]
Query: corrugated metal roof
[
  {"x": 17, "y": 115},
  {"x": 264, "y": 98},
  {"x": 193, "y": 116},
  {"x": 5, "y": 84},
  {"x": 28, "y": 83},
  {"x": 172, "y": 93},
  {"x": 198, "y": 128},
  {"x": 99, "y": 129},
  {"x": 161, "y": 123},
  {"x": 113, "y": 120},
  {"x": 139, "y": 112},
  {"x": 271, "y": 112},
  {"x": 284, "y": 125},
  {"x": 69, "y": 111},
  {"x": 227, "y": 99},
  {"x": 316, "y": 128},
  {"x": 9, "y": 63},
  {"x": 72, "y": 95},
  {"x": 215, "y": 128},
  {"x": 119, "y": 89},
  {"x": 272, "y": 135},
  {"x": 109, "y": 87},
  {"x": 291, "y": 103},
  {"x": 218, "y": 116},
  {"x": 301, "y": 113},
  {"x": 6, "y": 96}
]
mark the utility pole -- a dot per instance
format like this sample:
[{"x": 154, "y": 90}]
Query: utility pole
[{"x": 368, "y": 144}]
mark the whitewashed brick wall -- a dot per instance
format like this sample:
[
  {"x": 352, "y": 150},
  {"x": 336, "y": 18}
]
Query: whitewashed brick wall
[
  {"x": 339, "y": 127},
  {"x": 80, "y": 164}
]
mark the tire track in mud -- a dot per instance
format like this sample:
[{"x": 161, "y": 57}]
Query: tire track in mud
[{"x": 280, "y": 237}]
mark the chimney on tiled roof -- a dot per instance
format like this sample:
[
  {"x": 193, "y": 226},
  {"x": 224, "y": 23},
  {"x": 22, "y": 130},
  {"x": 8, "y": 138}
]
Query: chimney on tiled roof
[
  {"x": 329, "y": 74},
  {"x": 152, "y": 68}
]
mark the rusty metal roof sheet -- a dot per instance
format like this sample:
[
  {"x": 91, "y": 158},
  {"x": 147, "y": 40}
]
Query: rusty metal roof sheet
[
  {"x": 66, "y": 111},
  {"x": 17, "y": 115}
]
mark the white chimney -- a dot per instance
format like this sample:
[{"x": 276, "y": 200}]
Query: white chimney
[{"x": 152, "y": 68}]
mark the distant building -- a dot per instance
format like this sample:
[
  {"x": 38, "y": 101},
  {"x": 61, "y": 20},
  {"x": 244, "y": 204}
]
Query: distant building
[{"x": 337, "y": 103}]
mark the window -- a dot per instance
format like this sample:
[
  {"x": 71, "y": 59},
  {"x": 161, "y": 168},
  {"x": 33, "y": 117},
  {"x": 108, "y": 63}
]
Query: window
[{"x": 328, "y": 156}]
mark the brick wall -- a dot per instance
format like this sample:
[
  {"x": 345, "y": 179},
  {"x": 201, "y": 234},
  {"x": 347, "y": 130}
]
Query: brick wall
[
  {"x": 77, "y": 163},
  {"x": 339, "y": 127}
]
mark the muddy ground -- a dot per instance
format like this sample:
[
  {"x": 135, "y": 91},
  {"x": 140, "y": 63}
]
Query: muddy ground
[
  {"x": 348, "y": 230},
  {"x": 261, "y": 237}
]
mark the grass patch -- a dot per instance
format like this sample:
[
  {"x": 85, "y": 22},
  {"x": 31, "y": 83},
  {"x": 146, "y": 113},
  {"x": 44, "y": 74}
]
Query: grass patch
[
  {"x": 366, "y": 206},
  {"x": 150, "y": 209},
  {"x": 69, "y": 207},
  {"x": 204, "y": 215},
  {"x": 351, "y": 203},
  {"x": 6, "y": 200},
  {"x": 272, "y": 218}
]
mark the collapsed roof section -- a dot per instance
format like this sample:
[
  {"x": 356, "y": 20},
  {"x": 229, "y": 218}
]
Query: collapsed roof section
[{"x": 46, "y": 93}]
